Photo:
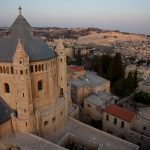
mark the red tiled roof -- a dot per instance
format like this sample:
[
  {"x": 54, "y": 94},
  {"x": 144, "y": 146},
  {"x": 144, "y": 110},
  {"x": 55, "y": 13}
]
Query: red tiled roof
[
  {"x": 119, "y": 112},
  {"x": 76, "y": 68}
]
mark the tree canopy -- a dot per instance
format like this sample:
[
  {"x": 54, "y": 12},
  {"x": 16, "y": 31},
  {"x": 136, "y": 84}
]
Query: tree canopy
[
  {"x": 142, "y": 97},
  {"x": 111, "y": 68}
]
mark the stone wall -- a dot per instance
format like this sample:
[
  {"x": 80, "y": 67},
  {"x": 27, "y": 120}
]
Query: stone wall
[
  {"x": 74, "y": 112},
  {"x": 48, "y": 102},
  {"x": 139, "y": 139},
  {"x": 6, "y": 128},
  {"x": 115, "y": 128},
  {"x": 92, "y": 112},
  {"x": 51, "y": 120},
  {"x": 7, "y": 76},
  {"x": 138, "y": 131}
]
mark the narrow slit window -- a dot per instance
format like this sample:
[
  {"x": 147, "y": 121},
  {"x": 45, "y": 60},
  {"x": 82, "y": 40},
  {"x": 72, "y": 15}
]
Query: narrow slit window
[
  {"x": 40, "y": 85},
  {"x": 7, "y": 88}
]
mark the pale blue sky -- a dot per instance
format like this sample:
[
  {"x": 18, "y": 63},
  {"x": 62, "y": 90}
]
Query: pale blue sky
[{"x": 125, "y": 15}]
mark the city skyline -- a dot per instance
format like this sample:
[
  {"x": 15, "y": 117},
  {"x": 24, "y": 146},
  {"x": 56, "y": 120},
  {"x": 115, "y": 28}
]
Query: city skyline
[{"x": 129, "y": 16}]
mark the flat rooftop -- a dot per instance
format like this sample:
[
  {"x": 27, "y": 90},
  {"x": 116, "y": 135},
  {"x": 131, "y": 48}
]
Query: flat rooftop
[
  {"x": 100, "y": 98},
  {"x": 146, "y": 83},
  {"x": 104, "y": 140},
  {"x": 27, "y": 141},
  {"x": 89, "y": 79}
]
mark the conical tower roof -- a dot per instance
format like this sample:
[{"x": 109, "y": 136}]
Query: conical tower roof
[
  {"x": 60, "y": 45},
  {"x": 19, "y": 50},
  {"x": 34, "y": 47}
]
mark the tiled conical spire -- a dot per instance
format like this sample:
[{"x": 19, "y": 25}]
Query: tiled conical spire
[
  {"x": 20, "y": 48},
  {"x": 60, "y": 45},
  {"x": 20, "y": 52}
]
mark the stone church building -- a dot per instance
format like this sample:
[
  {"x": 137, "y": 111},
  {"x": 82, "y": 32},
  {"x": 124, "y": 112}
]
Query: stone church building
[
  {"x": 35, "y": 106},
  {"x": 33, "y": 83}
]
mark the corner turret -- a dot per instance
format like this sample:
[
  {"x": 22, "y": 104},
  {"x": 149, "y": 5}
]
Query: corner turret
[
  {"x": 62, "y": 72},
  {"x": 23, "y": 91},
  {"x": 60, "y": 49}
]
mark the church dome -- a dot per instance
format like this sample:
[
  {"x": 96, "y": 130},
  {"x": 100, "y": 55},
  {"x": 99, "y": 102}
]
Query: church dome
[{"x": 34, "y": 47}]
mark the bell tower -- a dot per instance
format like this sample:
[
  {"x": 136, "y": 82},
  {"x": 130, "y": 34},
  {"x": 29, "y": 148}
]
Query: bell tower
[
  {"x": 62, "y": 67},
  {"x": 23, "y": 93},
  {"x": 62, "y": 72}
]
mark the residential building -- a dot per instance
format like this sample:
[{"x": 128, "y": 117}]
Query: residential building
[
  {"x": 143, "y": 71},
  {"x": 95, "y": 104},
  {"x": 128, "y": 125},
  {"x": 73, "y": 72},
  {"x": 87, "y": 84},
  {"x": 145, "y": 86}
]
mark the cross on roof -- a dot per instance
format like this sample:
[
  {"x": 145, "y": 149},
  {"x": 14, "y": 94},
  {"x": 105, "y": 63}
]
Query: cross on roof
[{"x": 20, "y": 10}]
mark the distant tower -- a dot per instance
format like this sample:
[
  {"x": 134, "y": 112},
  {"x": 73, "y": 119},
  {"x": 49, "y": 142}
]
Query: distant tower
[
  {"x": 62, "y": 71},
  {"x": 23, "y": 94}
]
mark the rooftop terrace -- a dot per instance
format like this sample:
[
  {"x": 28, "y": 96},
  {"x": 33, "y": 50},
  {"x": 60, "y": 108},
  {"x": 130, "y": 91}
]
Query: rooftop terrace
[{"x": 89, "y": 134}]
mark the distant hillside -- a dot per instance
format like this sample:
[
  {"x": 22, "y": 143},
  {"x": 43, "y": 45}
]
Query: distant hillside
[{"x": 108, "y": 38}]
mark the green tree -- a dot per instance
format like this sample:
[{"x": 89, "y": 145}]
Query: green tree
[
  {"x": 142, "y": 97},
  {"x": 112, "y": 69},
  {"x": 125, "y": 86},
  {"x": 96, "y": 63},
  {"x": 135, "y": 79},
  {"x": 104, "y": 65}
]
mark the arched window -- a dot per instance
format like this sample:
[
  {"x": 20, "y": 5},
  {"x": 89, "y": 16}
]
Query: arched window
[
  {"x": 12, "y": 70},
  {"x": 115, "y": 120},
  {"x": 7, "y": 70},
  {"x": 21, "y": 72},
  {"x": 39, "y": 67},
  {"x": 21, "y": 62},
  {"x": 45, "y": 123},
  {"x": 4, "y": 70},
  {"x": 122, "y": 124},
  {"x": 53, "y": 119},
  {"x": 1, "y": 70},
  {"x": 7, "y": 89},
  {"x": 61, "y": 92},
  {"x": 36, "y": 68},
  {"x": 31, "y": 68},
  {"x": 40, "y": 85},
  {"x": 107, "y": 117},
  {"x": 61, "y": 113}
]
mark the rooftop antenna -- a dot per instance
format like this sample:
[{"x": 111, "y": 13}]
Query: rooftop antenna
[{"x": 20, "y": 10}]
